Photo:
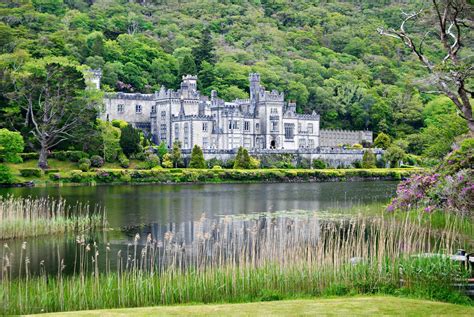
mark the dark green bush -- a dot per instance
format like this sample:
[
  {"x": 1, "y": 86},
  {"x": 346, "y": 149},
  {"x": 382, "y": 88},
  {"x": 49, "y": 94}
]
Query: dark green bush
[
  {"x": 73, "y": 156},
  {"x": 6, "y": 177},
  {"x": 124, "y": 161},
  {"x": 84, "y": 164},
  {"x": 51, "y": 170},
  {"x": 31, "y": 172},
  {"x": 319, "y": 164},
  {"x": 29, "y": 156}
]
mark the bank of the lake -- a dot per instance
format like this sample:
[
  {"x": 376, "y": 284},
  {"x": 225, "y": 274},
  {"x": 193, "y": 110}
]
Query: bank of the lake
[{"x": 70, "y": 176}]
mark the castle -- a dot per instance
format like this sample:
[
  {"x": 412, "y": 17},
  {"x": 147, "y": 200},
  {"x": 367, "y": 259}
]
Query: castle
[{"x": 263, "y": 122}]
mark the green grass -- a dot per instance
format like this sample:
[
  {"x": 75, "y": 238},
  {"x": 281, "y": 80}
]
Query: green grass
[{"x": 345, "y": 306}]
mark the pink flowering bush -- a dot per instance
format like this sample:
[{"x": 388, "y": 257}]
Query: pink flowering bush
[{"x": 449, "y": 188}]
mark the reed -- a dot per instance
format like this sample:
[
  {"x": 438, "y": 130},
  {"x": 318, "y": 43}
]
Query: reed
[
  {"x": 31, "y": 217},
  {"x": 238, "y": 261}
]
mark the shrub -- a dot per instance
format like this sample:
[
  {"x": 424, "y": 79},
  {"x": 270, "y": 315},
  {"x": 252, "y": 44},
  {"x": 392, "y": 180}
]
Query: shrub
[
  {"x": 368, "y": 160},
  {"x": 11, "y": 144},
  {"x": 197, "y": 158},
  {"x": 319, "y": 164},
  {"x": 382, "y": 141},
  {"x": 254, "y": 163},
  {"x": 97, "y": 161},
  {"x": 75, "y": 156},
  {"x": 29, "y": 156},
  {"x": 151, "y": 161},
  {"x": 304, "y": 162},
  {"x": 84, "y": 164},
  {"x": 31, "y": 172},
  {"x": 51, "y": 170},
  {"x": 214, "y": 162},
  {"x": 357, "y": 146},
  {"x": 357, "y": 164},
  {"x": 217, "y": 167},
  {"x": 55, "y": 176},
  {"x": 124, "y": 161},
  {"x": 6, "y": 177},
  {"x": 167, "y": 161},
  {"x": 130, "y": 140}
]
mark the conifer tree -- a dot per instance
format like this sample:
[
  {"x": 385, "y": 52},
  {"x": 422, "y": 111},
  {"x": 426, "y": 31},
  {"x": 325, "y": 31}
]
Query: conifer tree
[
  {"x": 130, "y": 140},
  {"x": 368, "y": 160},
  {"x": 205, "y": 50},
  {"x": 197, "y": 158},
  {"x": 187, "y": 66},
  {"x": 242, "y": 160},
  {"x": 176, "y": 153}
]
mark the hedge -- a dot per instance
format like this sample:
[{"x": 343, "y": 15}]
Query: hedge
[
  {"x": 73, "y": 156},
  {"x": 31, "y": 172},
  {"x": 29, "y": 156},
  {"x": 220, "y": 175}
]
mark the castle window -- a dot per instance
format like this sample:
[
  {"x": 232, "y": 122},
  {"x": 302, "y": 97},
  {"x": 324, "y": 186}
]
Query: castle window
[
  {"x": 163, "y": 115},
  {"x": 257, "y": 126},
  {"x": 310, "y": 128},
  {"x": 138, "y": 108},
  {"x": 204, "y": 126},
  {"x": 246, "y": 125},
  {"x": 311, "y": 143},
  {"x": 163, "y": 131},
  {"x": 274, "y": 126},
  {"x": 176, "y": 131},
  {"x": 247, "y": 143},
  {"x": 205, "y": 143},
  {"x": 120, "y": 108},
  {"x": 233, "y": 125},
  {"x": 186, "y": 135},
  {"x": 299, "y": 127},
  {"x": 289, "y": 131},
  {"x": 274, "y": 110},
  {"x": 302, "y": 143}
]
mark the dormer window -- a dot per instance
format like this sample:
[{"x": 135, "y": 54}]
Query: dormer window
[{"x": 138, "y": 108}]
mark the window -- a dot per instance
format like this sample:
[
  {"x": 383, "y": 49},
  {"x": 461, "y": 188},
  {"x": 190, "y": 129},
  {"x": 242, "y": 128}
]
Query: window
[
  {"x": 246, "y": 125},
  {"x": 274, "y": 126},
  {"x": 299, "y": 127},
  {"x": 163, "y": 131},
  {"x": 186, "y": 135},
  {"x": 205, "y": 143},
  {"x": 310, "y": 128},
  {"x": 247, "y": 143},
  {"x": 204, "y": 126},
  {"x": 176, "y": 131},
  {"x": 163, "y": 115},
  {"x": 302, "y": 143},
  {"x": 120, "y": 108},
  {"x": 233, "y": 125},
  {"x": 138, "y": 108},
  {"x": 273, "y": 110},
  {"x": 311, "y": 143},
  {"x": 289, "y": 131},
  {"x": 257, "y": 126}
]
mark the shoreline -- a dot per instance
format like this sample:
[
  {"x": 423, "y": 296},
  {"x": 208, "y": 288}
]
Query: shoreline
[{"x": 184, "y": 176}]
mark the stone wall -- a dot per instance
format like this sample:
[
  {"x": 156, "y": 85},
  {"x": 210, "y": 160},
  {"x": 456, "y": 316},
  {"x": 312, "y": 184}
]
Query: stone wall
[{"x": 336, "y": 138}]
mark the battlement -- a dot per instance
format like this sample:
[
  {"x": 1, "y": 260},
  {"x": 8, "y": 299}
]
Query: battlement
[{"x": 129, "y": 96}]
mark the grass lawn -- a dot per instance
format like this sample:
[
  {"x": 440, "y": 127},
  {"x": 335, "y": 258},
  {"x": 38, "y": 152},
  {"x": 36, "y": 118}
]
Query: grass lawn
[{"x": 342, "y": 306}]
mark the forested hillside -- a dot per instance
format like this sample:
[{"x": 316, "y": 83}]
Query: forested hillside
[{"x": 325, "y": 55}]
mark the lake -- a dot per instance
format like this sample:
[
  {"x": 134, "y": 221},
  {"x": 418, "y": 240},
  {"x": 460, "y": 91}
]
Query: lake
[{"x": 157, "y": 209}]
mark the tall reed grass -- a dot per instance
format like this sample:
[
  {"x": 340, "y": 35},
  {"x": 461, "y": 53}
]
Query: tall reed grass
[
  {"x": 237, "y": 261},
  {"x": 31, "y": 217}
]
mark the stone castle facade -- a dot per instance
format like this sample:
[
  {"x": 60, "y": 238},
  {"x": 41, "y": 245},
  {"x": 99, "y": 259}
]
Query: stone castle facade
[{"x": 263, "y": 122}]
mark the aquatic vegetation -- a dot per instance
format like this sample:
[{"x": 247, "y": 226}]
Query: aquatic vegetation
[
  {"x": 31, "y": 217},
  {"x": 245, "y": 260}
]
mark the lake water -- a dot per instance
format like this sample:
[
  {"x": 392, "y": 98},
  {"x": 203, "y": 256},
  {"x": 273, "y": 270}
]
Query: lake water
[{"x": 157, "y": 209}]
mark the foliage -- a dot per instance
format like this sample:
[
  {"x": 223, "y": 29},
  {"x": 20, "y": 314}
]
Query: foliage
[
  {"x": 152, "y": 160},
  {"x": 72, "y": 156},
  {"x": 319, "y": 164},
  {"x": 176, "y": 154},
  {"x": 368, "y": 160},
  {"x": 124, "y": 161},
  {"x": 394, "y": 154},
  {"x": 97, "y": 161},
  {"x": 84, "y": 164},
  {"x": 450, "y": 187},
  {"x": 197, "y": 158},
  {"x": 382, "y": 141},
  {"x": 162, "y": 150},
  {"x": 110, "y": 135},
  {"x": 31, "y": 172},
  {"x": 130, "y": 140},
  {"x": 6, "y": 176},
  {"x": 254, "y": 163},
  {"x": 357, "y": 146},
  {"x": 11, "y": 144},
  {"x": 242, "y": 160},
  {"x": 167, "y": 161}
]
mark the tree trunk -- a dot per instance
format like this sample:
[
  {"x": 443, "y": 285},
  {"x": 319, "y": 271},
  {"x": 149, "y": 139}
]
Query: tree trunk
[{"x": 43, "y": 158}]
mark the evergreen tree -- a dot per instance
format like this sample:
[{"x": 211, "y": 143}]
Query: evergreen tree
[
  {"x": 382, "y": 141},
  {"x": 205, "y": 50},
  {"x": 176, "y": 153},
  {"x": 368, "y": 160},
  {"x": 130, "y": 140},
  {"x": 162, "y": 150},
  {"x": 197, "y": 158},
  {"x": 167, "y": 161},
  {"x": 242, "y": 160},
  {"x": 187, "y": 66}
]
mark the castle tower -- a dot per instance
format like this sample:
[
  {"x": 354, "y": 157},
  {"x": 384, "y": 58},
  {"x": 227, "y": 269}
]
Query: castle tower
[
  {"x": 95, "y": 76},
  {"x": 254, "y": 79}
]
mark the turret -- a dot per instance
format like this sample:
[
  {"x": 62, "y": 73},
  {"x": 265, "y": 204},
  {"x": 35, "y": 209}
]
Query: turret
[
  {"x": 254, "y": 79},
  {"x": 96, "y": 75}
]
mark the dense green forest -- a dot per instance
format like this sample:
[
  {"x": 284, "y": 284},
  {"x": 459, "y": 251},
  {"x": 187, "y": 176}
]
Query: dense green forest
[{"x": 325, "y": 55}]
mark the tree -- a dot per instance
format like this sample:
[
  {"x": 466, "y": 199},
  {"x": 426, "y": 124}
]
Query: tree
[
  {"x": 187, "y": 66},
  {"x": 453, "y": 71},
  {"x": 167, "y": 161},
  {"x": 205, "y": 50},
  {"x": 197, "y": 158},
  {"x": 382, "y": 141},
  {"x": 11, "y": 143},
  {"x": 130, "y": 140},
  {"x": 110, "y": 136},
  {"x": 368, "y": 160},
  {"x": 394, "y": 154},
  {"x": 176, "y": 153},
  {"x": 53, "y": 94},
  {"x": 162, "y": 149},
  {"x": 242, "y": 160}
]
